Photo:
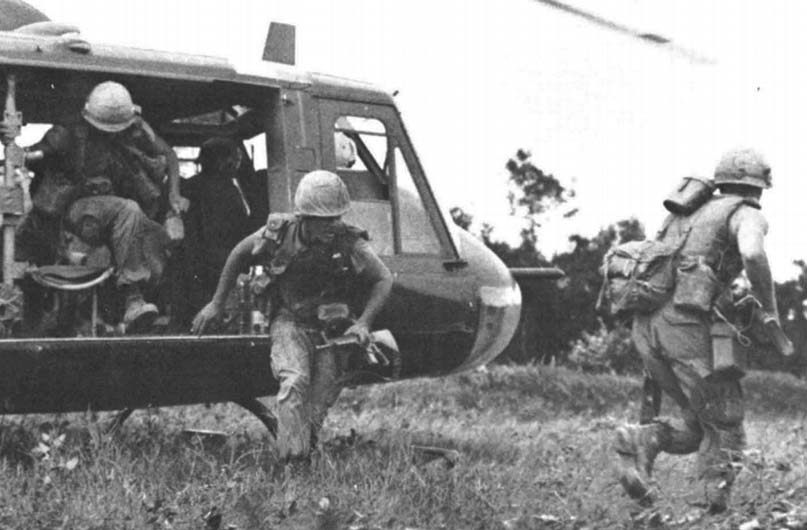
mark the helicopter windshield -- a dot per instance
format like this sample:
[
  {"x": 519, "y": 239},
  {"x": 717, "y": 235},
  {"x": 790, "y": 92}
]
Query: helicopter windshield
[{"x": 369, "y": 161}]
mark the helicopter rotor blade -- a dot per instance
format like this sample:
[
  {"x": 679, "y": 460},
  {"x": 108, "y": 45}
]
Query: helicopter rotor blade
[{"x": 649, "y": 38}]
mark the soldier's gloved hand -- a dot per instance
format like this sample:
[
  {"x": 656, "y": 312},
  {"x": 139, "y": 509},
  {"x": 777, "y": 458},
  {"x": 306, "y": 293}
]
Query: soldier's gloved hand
[
  {"x": 768, "y": 316},
  {"x": 209, "y": 313},
  {"x": 361, "y": 331}
]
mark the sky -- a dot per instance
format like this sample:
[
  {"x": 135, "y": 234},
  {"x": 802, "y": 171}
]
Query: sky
[{"x": 615, "y": 118}]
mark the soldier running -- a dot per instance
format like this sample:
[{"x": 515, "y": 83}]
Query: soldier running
[
  {"x": 722, "y": 237},
  {"x": 315, "y": 260}
]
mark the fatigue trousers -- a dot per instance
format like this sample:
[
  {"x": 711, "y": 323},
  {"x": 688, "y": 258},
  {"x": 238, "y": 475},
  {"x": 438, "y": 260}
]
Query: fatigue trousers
[
  {"x": 137, "y": 243},
  {"x": 309, "y": 385},
  {"x": 676, "y": 349}
]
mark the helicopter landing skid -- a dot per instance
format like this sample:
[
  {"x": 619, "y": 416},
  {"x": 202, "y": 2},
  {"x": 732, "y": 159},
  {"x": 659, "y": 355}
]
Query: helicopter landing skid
[
  {"x": 262, "y": 412},
  {"x": 118, "y": 420},
  {"x": 254, "y": 406}
]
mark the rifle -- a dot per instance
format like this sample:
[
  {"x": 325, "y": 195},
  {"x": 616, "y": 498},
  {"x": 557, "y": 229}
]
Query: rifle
[
  {"x": 372, "y": 354},
  {"x": 12, "y": 202},
  {"x": 766, "y": 327}
]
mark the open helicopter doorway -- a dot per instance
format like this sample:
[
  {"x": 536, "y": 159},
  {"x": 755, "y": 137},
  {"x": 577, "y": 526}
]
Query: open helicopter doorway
[{"x": 187, "y": 114}]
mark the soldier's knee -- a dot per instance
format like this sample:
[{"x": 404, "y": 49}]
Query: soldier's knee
[
  {"x": 721, "y": 404},
  {"x": 129, "y": 207},
  {"x": 89, "y": 229},
  {"x": 292, "y": 384}
]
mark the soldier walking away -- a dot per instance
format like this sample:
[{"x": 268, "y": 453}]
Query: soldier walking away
[
  {"x": 685, "y": 343},
  {"x": 316, "y": 261}
]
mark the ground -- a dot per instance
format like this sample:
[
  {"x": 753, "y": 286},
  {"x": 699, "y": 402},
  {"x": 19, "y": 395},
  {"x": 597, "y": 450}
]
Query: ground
[{"x": 533, "y": 445}]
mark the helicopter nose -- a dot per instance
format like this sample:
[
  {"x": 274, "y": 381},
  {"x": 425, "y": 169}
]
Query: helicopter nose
[{"x": 499, "y": 314}]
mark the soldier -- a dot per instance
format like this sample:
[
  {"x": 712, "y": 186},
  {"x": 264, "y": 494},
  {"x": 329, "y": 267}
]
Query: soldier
[
  {"x": 112, "y": 164},
  {"x": 676, "y": 342},
  {"x": 315, "y": 259},
  {"x": 218, "y": 218}
]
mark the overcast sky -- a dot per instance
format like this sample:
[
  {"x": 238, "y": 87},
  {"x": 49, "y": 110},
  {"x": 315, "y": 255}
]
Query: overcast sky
[{"x": 618, "y": 119}]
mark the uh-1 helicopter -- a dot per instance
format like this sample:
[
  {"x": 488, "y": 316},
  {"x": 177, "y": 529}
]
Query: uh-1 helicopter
[{"x": 454, "y": 305}]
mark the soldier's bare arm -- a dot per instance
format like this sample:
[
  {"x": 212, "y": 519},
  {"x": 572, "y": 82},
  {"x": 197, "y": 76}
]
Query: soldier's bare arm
[
  {"x": 239, "y": 257},
  {"x": 372, "y": 270},
  {"x": 750, "y": 228}
]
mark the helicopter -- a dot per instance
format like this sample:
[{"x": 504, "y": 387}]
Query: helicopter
[{"x": 455, "y": 305}]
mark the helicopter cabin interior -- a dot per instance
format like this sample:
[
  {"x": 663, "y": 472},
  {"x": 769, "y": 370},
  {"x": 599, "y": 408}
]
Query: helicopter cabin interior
[{"x": 282, "y": 133}]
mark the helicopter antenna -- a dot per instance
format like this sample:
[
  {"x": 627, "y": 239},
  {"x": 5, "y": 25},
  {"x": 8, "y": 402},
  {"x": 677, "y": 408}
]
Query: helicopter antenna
[{"x": 650, "y": 38}]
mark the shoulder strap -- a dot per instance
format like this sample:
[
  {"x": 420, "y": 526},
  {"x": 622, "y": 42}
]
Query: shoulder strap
[{"x": 666, "y": 226}]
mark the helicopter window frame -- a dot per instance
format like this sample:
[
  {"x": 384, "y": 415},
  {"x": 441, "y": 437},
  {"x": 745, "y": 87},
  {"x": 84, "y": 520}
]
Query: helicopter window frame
[
  {"x": 331, "y": 110},
  {"x": 367, "y": 181}
]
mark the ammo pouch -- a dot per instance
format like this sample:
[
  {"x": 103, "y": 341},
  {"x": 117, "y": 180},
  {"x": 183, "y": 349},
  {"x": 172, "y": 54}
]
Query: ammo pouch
[
  {"x": 727, "y": 356},
  {"x": 696, "y": 286}
]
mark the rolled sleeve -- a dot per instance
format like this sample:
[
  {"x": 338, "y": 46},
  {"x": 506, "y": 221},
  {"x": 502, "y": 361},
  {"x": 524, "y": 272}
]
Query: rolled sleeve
[{"x": 367, "y": 263}]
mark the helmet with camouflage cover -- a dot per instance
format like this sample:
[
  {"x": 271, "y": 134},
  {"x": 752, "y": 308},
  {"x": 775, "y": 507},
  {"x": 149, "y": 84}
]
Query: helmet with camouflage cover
[
  {"x": 109, "y": 107},
  {"x": 321, "y": 194},
  {"x": 743, "y": 166}
]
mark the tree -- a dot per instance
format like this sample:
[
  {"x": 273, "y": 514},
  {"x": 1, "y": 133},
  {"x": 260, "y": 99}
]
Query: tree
[
  {"x": 553, "y": 313},
  {"x": 790, "y": 298},
  {"x": 534, "y": 194}
]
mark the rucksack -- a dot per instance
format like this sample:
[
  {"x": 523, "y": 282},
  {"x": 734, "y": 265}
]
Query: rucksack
[{"x": 638, "y": 277}]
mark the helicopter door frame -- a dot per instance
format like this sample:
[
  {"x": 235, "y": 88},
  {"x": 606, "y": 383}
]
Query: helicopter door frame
[
  {"x": 437, "y": 299},
  {"x": 331, "y": 110}
]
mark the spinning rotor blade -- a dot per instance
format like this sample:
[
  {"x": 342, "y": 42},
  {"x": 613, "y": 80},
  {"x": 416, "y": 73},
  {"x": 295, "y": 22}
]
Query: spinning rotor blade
[{"x": 650, "y": 38}]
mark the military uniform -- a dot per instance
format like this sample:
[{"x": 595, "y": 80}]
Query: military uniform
[
  {"x": 677, "y": 341},
  {"x": 676, "y": 347},
  {"x": 109, "y": 203},
  {"x": 308, "y": 271},
  {"x": 316, "y": 261}
]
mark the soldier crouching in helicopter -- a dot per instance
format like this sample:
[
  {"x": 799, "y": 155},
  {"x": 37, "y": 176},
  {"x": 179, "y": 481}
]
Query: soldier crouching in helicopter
[
  {"x": 102, "y": 174},
  {"x": 317, "y": 263},
  {"x": 685, "y": 341}
]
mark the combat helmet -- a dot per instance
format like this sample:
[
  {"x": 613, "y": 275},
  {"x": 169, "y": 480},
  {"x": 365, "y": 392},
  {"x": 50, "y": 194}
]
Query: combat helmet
[
  {"x": 321, "y": 194},
  {"x": 110, "y": 108},
  {"x": 743, "y": 166}
]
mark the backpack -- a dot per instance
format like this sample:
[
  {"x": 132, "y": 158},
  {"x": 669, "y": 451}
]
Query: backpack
[{"x": 638, "y": 276}]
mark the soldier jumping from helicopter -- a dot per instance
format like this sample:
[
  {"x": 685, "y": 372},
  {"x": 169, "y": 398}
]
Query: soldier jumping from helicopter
[
  {"x": 113, "y": 163},
  {"x": 315, "y": 260}
]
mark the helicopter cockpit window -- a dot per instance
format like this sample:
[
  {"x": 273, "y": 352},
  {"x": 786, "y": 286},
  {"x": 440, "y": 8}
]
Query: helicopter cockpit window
[
  {"x": 417, "y": 232},
  {"x": 362, "y": 160}
]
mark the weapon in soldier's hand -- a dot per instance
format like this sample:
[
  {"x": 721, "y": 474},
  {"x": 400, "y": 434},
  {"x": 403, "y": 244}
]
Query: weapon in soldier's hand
[
  {"x": 373, "y": 354},
  {"x": 768, "y": 324},
  {"x": 777, "y": 336}
]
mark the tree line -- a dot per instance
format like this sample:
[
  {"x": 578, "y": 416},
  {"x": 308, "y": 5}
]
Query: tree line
[{"x": 559, "y": 322}]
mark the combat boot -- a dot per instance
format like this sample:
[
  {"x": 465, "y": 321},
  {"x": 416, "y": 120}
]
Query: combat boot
[
  {"x": 637, "y": 447},
  {"x": 139, "y": 314},
  {"x": 718, "y": 493}
]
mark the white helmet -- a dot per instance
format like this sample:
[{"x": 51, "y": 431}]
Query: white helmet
[
  {"x": 110, "y": 108},
  {"x": 743, "y": 166},
  {"x": 321, "y": 194}
]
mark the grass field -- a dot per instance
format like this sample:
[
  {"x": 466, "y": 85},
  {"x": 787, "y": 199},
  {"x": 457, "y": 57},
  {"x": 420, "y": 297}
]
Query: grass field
[{"x": 533, "y": 445}]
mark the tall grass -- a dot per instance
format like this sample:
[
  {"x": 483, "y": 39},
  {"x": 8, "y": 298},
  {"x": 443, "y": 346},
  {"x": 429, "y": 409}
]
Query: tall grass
[{"x": 534, "y": 446}]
